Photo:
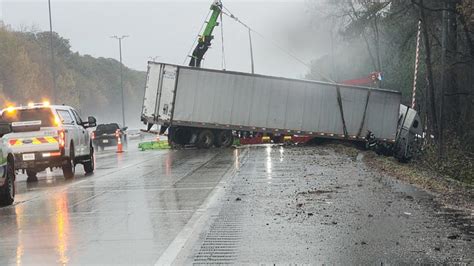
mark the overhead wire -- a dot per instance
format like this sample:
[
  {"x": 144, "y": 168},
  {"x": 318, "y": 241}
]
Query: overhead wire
[{"x": 228, "y": 13}]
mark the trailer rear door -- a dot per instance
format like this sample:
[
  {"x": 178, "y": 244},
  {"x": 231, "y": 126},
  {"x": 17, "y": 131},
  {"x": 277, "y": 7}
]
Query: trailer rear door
[
  {"x": 151, "y": 91},
  {"x": 166, "y": 93}
]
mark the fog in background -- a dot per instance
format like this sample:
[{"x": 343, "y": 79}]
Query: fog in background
[{"x": 165, "y": 31}]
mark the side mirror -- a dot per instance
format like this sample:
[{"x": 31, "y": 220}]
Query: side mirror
[
  {"x": 91, "y": 122},
  {"x": 5, "y": 128},
  {"x": 124, "y": 128}
]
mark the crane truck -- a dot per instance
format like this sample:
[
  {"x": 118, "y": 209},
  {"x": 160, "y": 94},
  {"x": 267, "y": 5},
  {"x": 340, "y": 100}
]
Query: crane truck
[{"x": 204, "y": 40}]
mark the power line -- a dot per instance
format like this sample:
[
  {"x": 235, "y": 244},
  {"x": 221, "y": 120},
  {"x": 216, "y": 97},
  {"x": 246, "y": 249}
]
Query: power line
[{"x": 275, "y": 43}]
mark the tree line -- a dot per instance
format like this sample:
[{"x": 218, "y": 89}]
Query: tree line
[
  {"x": 369, "y": 36},
  {"x": 91, "y": 85}
]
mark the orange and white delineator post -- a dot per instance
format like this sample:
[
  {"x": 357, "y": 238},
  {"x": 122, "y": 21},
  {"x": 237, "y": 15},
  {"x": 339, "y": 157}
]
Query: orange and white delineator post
[{"x": 119, "y": 143}]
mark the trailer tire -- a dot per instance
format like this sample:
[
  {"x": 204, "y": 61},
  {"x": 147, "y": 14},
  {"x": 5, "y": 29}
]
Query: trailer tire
[
  {"x": 205, "y": 139},
  {"x": 7, "y": 191},
  {"x": 224, "y": 138}
]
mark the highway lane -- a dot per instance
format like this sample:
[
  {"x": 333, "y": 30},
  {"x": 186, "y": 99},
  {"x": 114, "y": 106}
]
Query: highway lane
[{"x": 128, "y": 211}]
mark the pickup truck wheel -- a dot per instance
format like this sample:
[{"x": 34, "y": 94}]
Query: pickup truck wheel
[
  {"x": 31, "y": 176},
  {"x": 69, "y": 168},
  {"x": 7, "y": 191},
  {"x": 205, "y": 139},
  {"x": 224, "y": 139},
  {"x": 89, "y": 166}
]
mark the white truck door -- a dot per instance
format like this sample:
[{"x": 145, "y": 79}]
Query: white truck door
[
  {"x": 166, "y": 92},
  {"x": 83, "y": 134},
  {"x": 150, "y": 100},
  {"x": 72, "y": 131}
]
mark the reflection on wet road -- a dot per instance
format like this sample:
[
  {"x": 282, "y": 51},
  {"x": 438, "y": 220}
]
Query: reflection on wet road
[{"x": 128, "y": 211}]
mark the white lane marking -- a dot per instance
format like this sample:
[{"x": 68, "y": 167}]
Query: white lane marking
[{"x": 198, "y": 220}]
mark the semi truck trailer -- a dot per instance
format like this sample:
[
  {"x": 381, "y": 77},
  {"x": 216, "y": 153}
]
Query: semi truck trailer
[{"x": 205, "y": 106}]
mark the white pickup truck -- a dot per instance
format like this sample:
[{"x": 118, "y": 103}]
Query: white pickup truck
[
  {"x": 47, "y": 136},
  {"x": 7, "y": 170}
]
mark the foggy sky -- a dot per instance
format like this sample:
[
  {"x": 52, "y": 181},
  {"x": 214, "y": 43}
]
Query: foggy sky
[{"x": 167, "y": 29}]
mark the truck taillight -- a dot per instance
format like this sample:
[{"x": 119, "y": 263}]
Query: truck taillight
[
  {"x": 93, "y": 135},
  {"x": 61, "y": 139},
  {"x": 117, "y": 133}
]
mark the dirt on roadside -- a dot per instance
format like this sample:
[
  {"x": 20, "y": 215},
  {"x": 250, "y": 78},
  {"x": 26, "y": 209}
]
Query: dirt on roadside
[{"x": 449, "y": 192}]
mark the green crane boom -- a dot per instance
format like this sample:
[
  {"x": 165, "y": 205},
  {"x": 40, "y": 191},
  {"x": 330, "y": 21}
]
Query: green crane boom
[{"x": 205, "y": 39}]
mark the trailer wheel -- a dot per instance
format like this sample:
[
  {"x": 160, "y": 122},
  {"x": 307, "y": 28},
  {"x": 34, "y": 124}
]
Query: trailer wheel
[
  {"x": 224, "y": 138},
  {"x": 205, "y": 139}
]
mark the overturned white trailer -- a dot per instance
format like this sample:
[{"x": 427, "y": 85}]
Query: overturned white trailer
[{"x": 204, "y": 106}]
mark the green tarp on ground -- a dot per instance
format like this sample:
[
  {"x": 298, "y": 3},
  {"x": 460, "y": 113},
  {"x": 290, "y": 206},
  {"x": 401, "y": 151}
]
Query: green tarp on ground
[
  {"x": 154, "y": 145},
  {"x": 236, "y": 142}
]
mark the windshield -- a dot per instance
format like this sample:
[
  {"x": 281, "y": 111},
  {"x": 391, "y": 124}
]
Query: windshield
[
  {"x": 45, "y": 115},
  {"x": 107, "y": 127}
]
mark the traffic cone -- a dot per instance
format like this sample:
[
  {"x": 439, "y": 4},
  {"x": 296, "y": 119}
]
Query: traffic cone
[{"x": 119, "y": 145}]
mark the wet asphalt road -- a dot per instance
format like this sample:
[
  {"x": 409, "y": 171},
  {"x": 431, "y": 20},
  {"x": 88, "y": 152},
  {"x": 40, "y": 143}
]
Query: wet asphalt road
[
  {"x": 266, "y": 204},
  {"x": 127, "y": 212}
]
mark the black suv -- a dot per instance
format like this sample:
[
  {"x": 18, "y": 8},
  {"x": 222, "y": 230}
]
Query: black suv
[{"x": 107, "y": 135}]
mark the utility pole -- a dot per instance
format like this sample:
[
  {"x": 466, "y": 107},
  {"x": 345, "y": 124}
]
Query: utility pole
[
  {"x": 53, "y": 68},
  {"x": 251, "y": 52},
  {"x": 334, "y": 75},
  {"x": 417, "y": 63},
  {"x": 448, "y": 106},
  {"x": 121, "y": 74}
]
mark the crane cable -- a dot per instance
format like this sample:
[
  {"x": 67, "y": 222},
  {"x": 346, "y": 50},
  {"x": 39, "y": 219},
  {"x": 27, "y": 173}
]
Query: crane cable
[
  {"x": 275, "y": 43},
  {"x": 189, "y": 54}
]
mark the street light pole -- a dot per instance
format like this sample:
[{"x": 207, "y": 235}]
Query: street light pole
[
  {"x": 251, "y": 52},
  {"x": 53, "y": 69},
  {"x": 121, "y": 74}
]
